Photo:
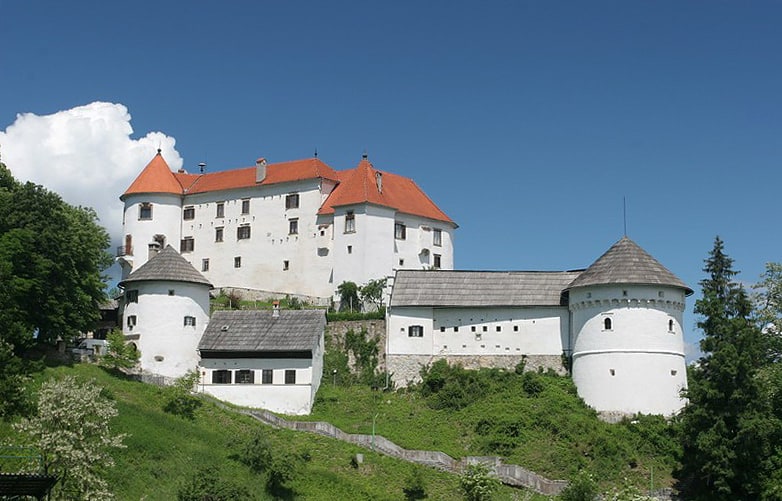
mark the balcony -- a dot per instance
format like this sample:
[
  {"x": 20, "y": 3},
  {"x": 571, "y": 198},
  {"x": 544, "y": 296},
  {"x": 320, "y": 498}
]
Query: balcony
[{"x": 124, "y": 250}]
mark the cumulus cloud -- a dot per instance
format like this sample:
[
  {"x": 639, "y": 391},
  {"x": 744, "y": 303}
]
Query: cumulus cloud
[{"x": 86, "y": 154}]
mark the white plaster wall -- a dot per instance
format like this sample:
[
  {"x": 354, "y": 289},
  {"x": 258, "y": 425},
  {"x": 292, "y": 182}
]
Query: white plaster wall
[
  {"x": 160, "y": 325},
  {"x": 647, "y": 358},
  {"x": 166, "y": 220},
  {"x": 262, "y": 255},
  {"x": 294, "y": 399},
  {"x": 367, "y": 253},
  {"x": 460, "y": 331}
]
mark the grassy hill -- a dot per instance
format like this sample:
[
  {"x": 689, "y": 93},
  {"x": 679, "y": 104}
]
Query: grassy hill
[{"x": 164, "y": 451}]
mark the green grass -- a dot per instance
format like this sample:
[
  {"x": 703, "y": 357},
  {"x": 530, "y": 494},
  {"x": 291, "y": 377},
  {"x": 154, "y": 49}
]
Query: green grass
[{"x": 164, "y": 450}]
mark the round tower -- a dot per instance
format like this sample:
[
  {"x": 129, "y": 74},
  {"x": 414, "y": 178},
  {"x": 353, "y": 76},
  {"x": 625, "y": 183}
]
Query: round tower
[
  {"x": 152, "y": 217},
  {"x": 165, "y": 312},
  {"x": 627, "y": 341}
]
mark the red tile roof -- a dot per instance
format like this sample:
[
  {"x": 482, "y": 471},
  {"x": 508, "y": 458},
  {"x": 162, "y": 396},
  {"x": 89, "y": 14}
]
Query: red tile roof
[
  {"x": 155, "y": 178},
  {"x": 356, "y": 186},
  {"x": 360, "y": 185}
]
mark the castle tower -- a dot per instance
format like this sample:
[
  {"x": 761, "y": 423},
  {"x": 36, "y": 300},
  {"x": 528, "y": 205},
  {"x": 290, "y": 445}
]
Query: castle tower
[
  {"x": 626, "y": 335},
  {"x": 152, "y": 216},
  {"x": 165, "y": 312}
]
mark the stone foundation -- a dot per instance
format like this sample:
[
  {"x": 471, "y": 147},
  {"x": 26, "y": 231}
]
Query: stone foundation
[{"x": 406, "y": 369}]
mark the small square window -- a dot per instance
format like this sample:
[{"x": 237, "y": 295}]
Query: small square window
[
  {"x": 171, "y": 292},
  {"x": 188, "y": 213},
  {"x": 238, "y": 262},
  {"x": 221, "y": 377},
  {"x": 131, "y": 296},
  {"x": 245, "y": 376},
  {"x": 293, "y": 227},
  {"x": 246, "y": 206},
  {"x": 242, "y": 232},
  {"x": 286, "y": 265},
  {"x": 205, "y": 264},
  {"x": 290, "y": 376},
  {"x": 401, "y": 262},
  {"x": 442, "y": 329},
  {"x": 456, "y": 328},
  {"x": 437, "y": 238},
  {"x": 415, "y": 331},
  {"x": 292, "y": 201},
  {"x": 515, "y": 328},
  {"x": 267, "y": 376},
  {"x": 220, "y": 209},
  {"x": 485, "y": 328},
  {"x": 190, "y": 321},
  {"x": 145, "y": 211},
  {"x": 400, "y": 231},
  {"x": 187, "y": 244},
  {"x": 132, "y": 320},
  {"x": 350, "y": 249},
  {"x": 499, "y": 328},
  {"x": 472, "y": 328},
  {"x": 612, "y": 372},
  {"x": 219, "y": 234}
]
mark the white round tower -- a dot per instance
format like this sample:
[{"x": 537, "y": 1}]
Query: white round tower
[
  {"x": 165, "y": 312},
  {"x": 152, "y": 217},
  {"x": 627, "y": 341}
]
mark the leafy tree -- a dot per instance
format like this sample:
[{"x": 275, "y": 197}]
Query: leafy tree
[
  {"x": 727, "y": 427},
  {"x": 71, "y": 429},
  {"x": 348, "y": 297},
  {"x": 256, "y": 451},
  {"x": 13, "y": 398},
  {"x": 181, "y": 401},
  {"x": 119, "y": 353},
  {"x": 767, "y": 300},
  {"x": 206, "y": 484},
  {"x": 372, "y": 292},
  {"x": 477, "y": 483}
]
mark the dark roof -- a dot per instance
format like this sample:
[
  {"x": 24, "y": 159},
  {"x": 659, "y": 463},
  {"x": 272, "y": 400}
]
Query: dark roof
[
  {"x": 167, "y": 265},
  {"x": 26, "y": 484},
  {"x": 259, "y": 331},
  {"x": 480, "y": 288},
  {"x": 627, "y": 263}
]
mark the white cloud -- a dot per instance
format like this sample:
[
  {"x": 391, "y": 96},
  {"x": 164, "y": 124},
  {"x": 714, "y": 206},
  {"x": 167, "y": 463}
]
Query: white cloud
[{"x": 85, "y": 154}]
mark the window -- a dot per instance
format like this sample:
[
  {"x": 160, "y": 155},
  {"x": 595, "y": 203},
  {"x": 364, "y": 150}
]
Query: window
[
  {"x": 456, "y": 328},
  {"x": 238, "y": 262},
  {"x": 171, "y": 292},
  {"x": 612, "y": 371},
  {"x": 293, "y": 227},
  {"x": 400, "y": 231},
  {"x": 485, "y": 328},
  {"x": 437, "y": 261},
  {"x": 205, "y": 264},
  {"x": 266, "y": 376},
  {"x": 187, "y": 244},
  {"x": 499, "y": 328},
  {"x": 219, "y": 234},
  {"x": 660, "y": 294},
  {"x": 189, "y": 213},
  {"x": 131, "y": 321},
  {"x": 145, "y": 211},
  {"x": 415, "y": 331},
  {"x": 286, "y": 265},
  {"x": 221, "y": 377},
  {"x": 246, "y": 206},
  {"x": 245, "y": 376},
  {"x": 437, "y": 238},
  {"x": 442, "y": 329},
  {"x": 131, "y": 296},
  {"x": 515, "y": 328},
  {"x": 220, "y": 209},
  {"x": 290, "y": 376},
  {"x": 401, "y": 262},
  {"x": 242, "y": 232},
  {"x": 189, "y": 321},
  {"x": 292, "y": 201},
  {"x": 472, "y": 329},
  {"x": 350, "y": 222},
  {"x": 670, "y": 325},
  {"x": 607, "y": 325},
  {"x": 350, "y": 249}
]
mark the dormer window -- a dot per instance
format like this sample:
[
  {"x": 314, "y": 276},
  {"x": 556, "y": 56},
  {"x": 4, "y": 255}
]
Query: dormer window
[{"x": 145, "y": 211}]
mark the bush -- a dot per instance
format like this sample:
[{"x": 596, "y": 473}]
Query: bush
[
  {"x": 256, "y": 451},
  {"x": 581, "y": 488},
  {"x": 119, "y": 354},
  {"x": 415, "y": 487},
  {"x": 477, "y": 483},
  {"x": 181, "y": 402},
  {"x": 206, "y": 484}
]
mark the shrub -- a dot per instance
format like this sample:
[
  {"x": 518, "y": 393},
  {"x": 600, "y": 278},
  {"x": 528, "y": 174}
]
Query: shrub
[
  {"x": 206, "y": 484},
  {"x": 477, "y": 483},
  {"x": 581, "y": 488},
  {"x": 415, "y": 487},
  {"x": 256, "y": 451},
  {"x": 119, "y": 354},
  {"x": 181, "y": 402}
]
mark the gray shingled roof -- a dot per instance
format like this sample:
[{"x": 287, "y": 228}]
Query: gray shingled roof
[
  {"x": 167, "y": 265},
  {"x": 480, "y": 288},
  {"x": 257, "y": 330},
  {"x": 627, "y": 263}
]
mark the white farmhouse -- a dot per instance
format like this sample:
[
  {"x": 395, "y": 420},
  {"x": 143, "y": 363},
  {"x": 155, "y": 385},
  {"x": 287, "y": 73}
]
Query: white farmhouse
[
  {"x": 266, "y": 359},
  {"x": 296, "y": 227},
  {"x": 165, "y": 311},
  {"x": 618, "y": 322}
]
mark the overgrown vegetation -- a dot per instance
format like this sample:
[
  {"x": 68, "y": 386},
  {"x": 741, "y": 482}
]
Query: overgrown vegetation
[
  {"x": 363, "y": 351},
  {"x": 477, "y": 483},
  {"x": 119, "y": 353}
]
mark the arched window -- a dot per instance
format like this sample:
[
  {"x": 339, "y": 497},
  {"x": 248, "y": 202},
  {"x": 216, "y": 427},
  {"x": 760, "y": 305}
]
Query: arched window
[{"x": 607, "y": 324}]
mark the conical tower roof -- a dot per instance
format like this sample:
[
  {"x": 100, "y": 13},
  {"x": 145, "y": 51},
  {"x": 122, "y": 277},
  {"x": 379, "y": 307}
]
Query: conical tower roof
[
  {"x": 627, "y": 263},
  {"x": 167, "y": 265},
  {"x": 155, "y": 178}
]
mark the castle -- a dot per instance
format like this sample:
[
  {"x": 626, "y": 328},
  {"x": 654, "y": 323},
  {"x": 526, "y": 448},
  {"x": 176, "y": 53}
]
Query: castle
[{"x": 302, "y": 228}]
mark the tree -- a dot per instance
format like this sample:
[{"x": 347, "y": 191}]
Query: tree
[
  {"x": 477, "y": 483},
  {"x": 767, "y": 300},
  {"x": 372, "y": 292},
  {"x": 582, "y": 487},
  {"x": 119, "y": 353},
  {"x": 727, "y": 429},
  {"x": 71, "y": 429},
  {"x": 348, "y": 297}
]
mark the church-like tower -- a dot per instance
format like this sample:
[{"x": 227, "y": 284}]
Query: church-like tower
[{"x": 626, "y": 335}]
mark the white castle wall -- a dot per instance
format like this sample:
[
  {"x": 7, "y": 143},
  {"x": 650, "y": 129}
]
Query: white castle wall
[
  {"x": 167, "y": 346},
  {"x": 638, "y": 364},
  {"x": 166, "y": 220}
]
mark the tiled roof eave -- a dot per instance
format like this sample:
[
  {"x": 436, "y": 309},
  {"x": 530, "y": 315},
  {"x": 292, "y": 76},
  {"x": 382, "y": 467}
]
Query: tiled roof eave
[{"x": 181, "y": 280}]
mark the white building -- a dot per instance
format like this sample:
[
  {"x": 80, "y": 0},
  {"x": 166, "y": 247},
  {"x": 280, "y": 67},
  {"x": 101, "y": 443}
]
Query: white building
[
  {"x": 165, "y": 311},
  {"x": 295, "y": 227},
  {"x": 618, "y": 322},
  {"x": 264, "y": 359}
]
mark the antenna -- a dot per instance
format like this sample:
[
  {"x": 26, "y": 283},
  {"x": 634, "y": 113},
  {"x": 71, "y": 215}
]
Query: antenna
[{"x": 624, "y": 213}]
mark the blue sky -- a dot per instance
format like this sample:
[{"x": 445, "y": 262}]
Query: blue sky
[{"x": 527, "y": 122}]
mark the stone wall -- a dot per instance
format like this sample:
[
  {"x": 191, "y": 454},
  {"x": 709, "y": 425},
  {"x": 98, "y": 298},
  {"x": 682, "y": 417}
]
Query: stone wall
[
  {"x": 405, "y": 369},
  {"x": 376, "y": 329}
]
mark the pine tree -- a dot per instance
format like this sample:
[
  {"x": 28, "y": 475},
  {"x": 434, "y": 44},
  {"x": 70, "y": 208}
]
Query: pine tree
[{"x": 727, "y": 428}]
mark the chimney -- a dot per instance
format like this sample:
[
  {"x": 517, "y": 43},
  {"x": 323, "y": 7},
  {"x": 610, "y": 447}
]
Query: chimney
[
  {"x": 275, "y": 309},
  {"x": 154, "y": 248},
  {"x": 260, "y": 170},
  {"x": 379, "y": 181}
]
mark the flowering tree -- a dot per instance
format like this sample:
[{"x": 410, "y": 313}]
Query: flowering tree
[{"x": 71, "y": 429}]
